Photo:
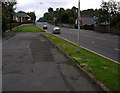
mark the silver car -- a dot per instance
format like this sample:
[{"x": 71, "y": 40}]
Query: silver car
[{"x": 56, "y": 30}]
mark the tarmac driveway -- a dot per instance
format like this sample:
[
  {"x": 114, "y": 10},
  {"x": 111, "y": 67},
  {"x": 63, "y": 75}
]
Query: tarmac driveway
[{"x": 32, "y": 63}]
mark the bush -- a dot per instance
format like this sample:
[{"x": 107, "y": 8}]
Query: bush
[
  {"x": 27, "y": 22},
  {"x": 13, "y": 25}
]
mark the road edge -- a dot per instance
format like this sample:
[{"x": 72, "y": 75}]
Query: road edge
[{"x": 101, "y": 85}]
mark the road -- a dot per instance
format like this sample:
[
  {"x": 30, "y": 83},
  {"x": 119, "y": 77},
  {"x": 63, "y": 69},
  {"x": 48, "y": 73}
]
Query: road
[
  {"x": 101, "y": 43},
  {"x": 32, "y": 63}
]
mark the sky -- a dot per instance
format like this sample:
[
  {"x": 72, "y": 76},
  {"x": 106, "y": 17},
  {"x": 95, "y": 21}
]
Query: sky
[{"x": 41, "y": 6}]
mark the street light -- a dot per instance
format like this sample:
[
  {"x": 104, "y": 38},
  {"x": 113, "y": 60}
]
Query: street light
[
  {"x": 109, "y": 16},
  {"x": 79, "y": 26}
]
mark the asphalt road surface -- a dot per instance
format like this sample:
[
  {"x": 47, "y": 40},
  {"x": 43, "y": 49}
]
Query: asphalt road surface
[
  {"x": 101, "y": 43},
  {"x": 32, "y": 63}
]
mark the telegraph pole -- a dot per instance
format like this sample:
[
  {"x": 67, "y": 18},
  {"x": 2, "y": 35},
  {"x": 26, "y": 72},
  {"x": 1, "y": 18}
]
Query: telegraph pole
[{"x": 79, "y": 26}]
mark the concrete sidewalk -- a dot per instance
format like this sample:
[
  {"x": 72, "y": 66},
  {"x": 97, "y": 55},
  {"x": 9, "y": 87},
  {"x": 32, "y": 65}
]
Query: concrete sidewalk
[{"x": 33, "y": 63}]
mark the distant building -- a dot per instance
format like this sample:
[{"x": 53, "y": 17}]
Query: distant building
[
  {"x": 86, "y": 22},
  {"x": 21, "y": 17}
]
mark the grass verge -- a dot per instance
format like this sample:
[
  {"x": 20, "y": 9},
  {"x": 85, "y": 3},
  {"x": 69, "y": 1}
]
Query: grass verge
[
  {"x": 29, "y": 28},
  {"x": 102, "y": 69}
]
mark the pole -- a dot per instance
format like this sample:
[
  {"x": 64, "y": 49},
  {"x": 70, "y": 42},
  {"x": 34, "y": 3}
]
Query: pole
[
  {"x": 109, "y": 17},
  {"x": 109, "y": 22},
  {"x": 10, "y": 9},
  {"x": 79, "y": 26},
  {"x": 34, "y": 17}
]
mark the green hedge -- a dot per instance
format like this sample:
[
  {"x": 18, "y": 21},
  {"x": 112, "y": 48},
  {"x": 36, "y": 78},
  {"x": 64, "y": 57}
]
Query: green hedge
[{"x": 13, "y": 25}]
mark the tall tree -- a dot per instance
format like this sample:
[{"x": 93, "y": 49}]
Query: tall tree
[
  {"x": 108, "y": 11},
  {"x": 32, "y": 15},
  {"x": 7, "y": 11},
  {"x": 64, "y": 18},
  {"x": 50, "y": 9}
]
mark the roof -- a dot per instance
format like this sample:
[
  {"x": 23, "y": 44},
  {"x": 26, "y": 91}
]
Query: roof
[
  {"x": 85, "y": 16},
  {"x": 22, "y": 15},
  {"x": 88, "y": 21}
]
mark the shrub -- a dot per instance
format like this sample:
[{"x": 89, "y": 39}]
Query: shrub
[
  {"x": 13, "y": 25},
  {"x": 27, "y": 22}
]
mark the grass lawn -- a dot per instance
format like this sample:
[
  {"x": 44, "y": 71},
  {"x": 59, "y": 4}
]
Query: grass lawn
[
  {"x": 102, "y": 69},
  {"x": 29, "y": 28}
]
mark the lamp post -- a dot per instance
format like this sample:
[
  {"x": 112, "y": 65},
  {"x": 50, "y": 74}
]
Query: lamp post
[
  {"x": 79, "y": 26},
  {"x": 109, "y": 16}
]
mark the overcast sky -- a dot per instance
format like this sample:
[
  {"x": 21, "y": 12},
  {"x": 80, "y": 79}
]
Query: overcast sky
[{"x": 41, "y": 6}]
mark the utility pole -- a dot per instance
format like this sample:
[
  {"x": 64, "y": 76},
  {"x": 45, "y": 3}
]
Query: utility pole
[
  {"x": 34, "y": 17},
  {"x": 10, "y": 8},
  {"x": 109, "y": 22},
  {"x": 79, "y": 26},
  {"x": 109, "y": 16}
]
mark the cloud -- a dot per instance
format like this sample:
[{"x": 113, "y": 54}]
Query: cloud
[{"x": 41, "y": 6}]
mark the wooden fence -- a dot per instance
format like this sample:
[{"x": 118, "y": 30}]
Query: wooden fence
[{"x": 107, "y": 30}]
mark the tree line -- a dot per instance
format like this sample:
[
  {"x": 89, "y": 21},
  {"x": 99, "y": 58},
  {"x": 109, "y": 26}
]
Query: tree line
[{"x": 108, "y": 13}]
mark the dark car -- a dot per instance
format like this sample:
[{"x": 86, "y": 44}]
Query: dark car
[{"x": 45, "y": 27}]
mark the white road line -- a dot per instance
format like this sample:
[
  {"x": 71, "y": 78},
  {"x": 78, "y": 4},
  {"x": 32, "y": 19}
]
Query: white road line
[
  {"x": 93, "y": 42},
  {"x": 101, "y": 38},
  {"x": 87, "y": 36},
  {"x": 117, "y": 49},
  {"x": 92, "y": 51}
]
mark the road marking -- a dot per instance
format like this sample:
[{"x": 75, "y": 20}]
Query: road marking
[
  {"x": 93, "y": 42},
  {"x": 117, "y": 49},
  {"x": 87, "y": 35},
  {"x": 91, "y": 51},
  {"x": 101, "y": 38}
]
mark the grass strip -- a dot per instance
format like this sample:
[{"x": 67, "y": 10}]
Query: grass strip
[
  {"x": 29, "y": 28},
  {"x": 102, "y": 69}
]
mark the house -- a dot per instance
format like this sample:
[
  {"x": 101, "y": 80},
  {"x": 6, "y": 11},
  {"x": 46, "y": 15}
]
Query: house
[
  {"x": 86, "y": 22},
  {"x": 21, "y": 17}
]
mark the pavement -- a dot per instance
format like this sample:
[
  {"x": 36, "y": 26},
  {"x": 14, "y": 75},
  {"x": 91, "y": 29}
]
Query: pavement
[
  {"x": 32, "y": 63},
  {"x": 102, "y": 43}
]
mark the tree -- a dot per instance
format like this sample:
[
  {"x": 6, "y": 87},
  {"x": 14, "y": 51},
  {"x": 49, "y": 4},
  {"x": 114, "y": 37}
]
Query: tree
[
  {"x": 46, "y": 16},
  {"x": 32, "y": 15},
  {"x": 7, "y": 11},
  {"x": 4, "y": 20},
  {"x": 50, "y": 9},
  {"x": 71, "y": 20},
  {"x": 20, "y": 12},
  {"x": 109, "y": 13},
  {"x": 64, "y": 18},
  {"x": 74, "y": 9}
]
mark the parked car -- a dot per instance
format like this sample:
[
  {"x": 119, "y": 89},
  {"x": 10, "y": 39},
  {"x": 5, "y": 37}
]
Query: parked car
[
  {"x": 56, "y": 30},
  {"x": 45, "y": 26}
]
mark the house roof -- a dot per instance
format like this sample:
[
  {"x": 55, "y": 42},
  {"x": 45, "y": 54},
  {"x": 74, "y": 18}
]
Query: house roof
[
  {"x": 88, "y": 21},
  {"x": 22, "y": 15},
  {"x": 85, "y": 16}
]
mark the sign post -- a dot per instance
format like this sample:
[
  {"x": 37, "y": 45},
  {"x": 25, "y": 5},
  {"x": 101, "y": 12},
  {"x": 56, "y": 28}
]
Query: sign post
[{"x": 79, "y": 26}]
